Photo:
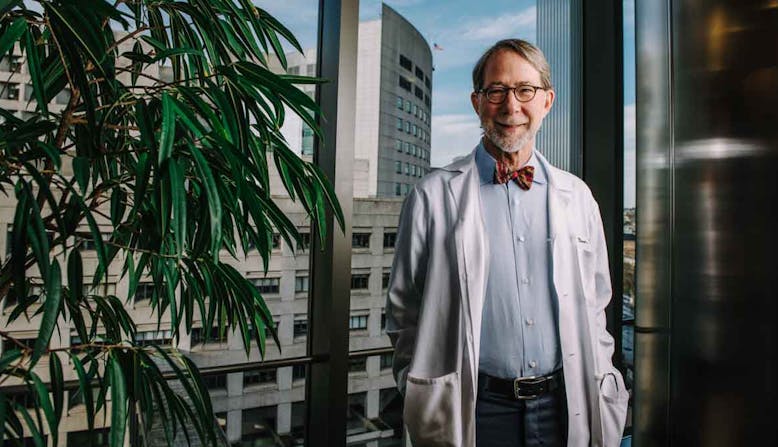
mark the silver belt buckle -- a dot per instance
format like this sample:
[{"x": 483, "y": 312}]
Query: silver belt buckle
[{"x": 533, "y": 380}]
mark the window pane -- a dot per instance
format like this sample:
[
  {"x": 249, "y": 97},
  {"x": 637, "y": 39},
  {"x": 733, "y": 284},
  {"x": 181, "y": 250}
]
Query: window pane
[
  {"x": 630, "y": 229},
  {"x": 360, "y": 240},
  {"x": 390, "y": 48}
]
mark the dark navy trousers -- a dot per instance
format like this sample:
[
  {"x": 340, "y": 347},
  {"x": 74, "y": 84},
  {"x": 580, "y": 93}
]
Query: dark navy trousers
[{"x": 504, "y": 422}]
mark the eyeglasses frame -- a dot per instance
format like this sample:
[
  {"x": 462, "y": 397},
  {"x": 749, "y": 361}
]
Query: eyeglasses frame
[{"x": 535, "y": 88}]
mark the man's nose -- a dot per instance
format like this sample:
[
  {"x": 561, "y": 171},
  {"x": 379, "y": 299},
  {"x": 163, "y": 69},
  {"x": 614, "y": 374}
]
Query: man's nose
[{"x": 511, "y": 103}]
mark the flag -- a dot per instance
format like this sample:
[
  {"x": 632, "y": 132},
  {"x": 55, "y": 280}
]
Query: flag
[{"x": 435, "y": 46}]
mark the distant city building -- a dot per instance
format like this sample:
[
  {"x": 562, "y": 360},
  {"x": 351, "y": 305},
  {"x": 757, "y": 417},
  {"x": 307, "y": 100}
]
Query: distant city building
[
  {"x": 392, "y": 135},
  {"x": 561, "y": 137},
  {"x": 394, "y": 103}
]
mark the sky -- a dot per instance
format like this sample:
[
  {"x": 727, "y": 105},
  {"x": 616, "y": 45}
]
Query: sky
[{"x": 464, "y": 29}]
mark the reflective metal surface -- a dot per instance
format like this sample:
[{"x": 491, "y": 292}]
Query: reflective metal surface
[
  {"x": 654, "y": 222},
  {"x": 707, "y": 148}
]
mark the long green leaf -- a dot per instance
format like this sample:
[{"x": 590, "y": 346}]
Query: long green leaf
[
  {"x": 168, "y": 129},
  {"x": 51, "y": 308},
  {"x": 57, "y": 385},
  {"x": 44, "y": 404},
  {"x": 118, "y": 401},
  {"x": 9, "y": 357},
  {"x": 214, "y": 202},
  {"x": 34, "y": 66},
  {"x": 11, "y": 35},
  {"x": 37, "y": 436},
  {"x": 85, "y": 389},
  {"x": 178, "y": 197}
]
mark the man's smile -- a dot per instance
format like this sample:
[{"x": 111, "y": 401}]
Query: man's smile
[{"x": 510, "y": 126}]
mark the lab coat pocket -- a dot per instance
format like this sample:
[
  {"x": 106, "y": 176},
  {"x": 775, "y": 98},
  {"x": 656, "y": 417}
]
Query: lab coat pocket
[
  {"x": 613, "y": 408},
  {"x": 586, "y": 267},
  {"x": 433, "y": 410}
]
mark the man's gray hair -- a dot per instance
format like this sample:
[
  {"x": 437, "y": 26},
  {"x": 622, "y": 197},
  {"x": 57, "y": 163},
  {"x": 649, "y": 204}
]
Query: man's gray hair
[{"x": 530, "y": 52}]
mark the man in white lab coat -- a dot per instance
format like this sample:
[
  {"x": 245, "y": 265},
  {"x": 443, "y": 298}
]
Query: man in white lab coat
[{"x": 496, "y": 303}]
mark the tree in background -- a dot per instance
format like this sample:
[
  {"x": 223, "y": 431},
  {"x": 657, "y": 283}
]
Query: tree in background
[{"x": 157, "y": 175}]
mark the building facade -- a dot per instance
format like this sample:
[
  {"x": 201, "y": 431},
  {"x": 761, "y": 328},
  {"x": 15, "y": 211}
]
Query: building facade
[
  {"x": 392, "y": 136},
  {"x": 394, "y": 103}
]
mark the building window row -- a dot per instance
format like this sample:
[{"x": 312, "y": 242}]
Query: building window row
[
  {"x": 413, "y": 108},
  {"x": 275, "y": 243},
  {"x": 413, "y": 129},
  {"x": 357, "y": 322},
  {"x": 259, "y": 377},
  {"x": 407, "y": 64},
  {"x": 412, "y": 149},
  {"x": 410, "y": 169},
  {"x": 199, "y": 335},
  {"x": 310, "y": 70},
  {"x": 402, "y": 189},
  {"x": 357, "y": 364},
  {"x": 216, "y": 382},
  {"x": 269, "y": 286},
  {"x": 360, "y": 281},
  {"x": 143, "y": 338}
]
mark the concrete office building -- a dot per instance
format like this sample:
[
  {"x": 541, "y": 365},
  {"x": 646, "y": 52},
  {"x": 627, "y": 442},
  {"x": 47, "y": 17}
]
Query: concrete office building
[{"x": 394, "y": 105}]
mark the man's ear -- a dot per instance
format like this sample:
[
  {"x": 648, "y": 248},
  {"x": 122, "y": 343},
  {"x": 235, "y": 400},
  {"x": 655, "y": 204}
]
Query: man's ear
[
  {"x": 474, "y": 102},
  {"x": 550, "y": 95}
]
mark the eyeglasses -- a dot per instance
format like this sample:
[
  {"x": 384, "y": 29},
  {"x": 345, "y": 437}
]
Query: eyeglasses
[{"x": 523, "y": 93}]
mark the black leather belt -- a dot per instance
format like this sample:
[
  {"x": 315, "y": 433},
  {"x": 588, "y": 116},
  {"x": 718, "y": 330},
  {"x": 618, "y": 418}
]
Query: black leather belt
[{"x": 521, "y": 388}]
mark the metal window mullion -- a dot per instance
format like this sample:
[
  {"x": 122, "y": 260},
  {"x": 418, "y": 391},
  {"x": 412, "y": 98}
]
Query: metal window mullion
[
  {"x": 326, "y": 385},
  {"x": 603, "y": 136}
]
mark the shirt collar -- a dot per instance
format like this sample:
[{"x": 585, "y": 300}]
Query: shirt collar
[{"x": 486, "y": 165}]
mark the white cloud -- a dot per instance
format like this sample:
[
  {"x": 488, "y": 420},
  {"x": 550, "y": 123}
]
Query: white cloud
[
  {"x": 502, "y": 26},
  {"x": 453, "y": 136},
  {"x": 466, "y": 41}
]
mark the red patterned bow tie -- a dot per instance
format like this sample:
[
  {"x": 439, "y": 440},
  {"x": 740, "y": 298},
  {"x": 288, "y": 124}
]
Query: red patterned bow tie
[{"x": 522, "y": 176}]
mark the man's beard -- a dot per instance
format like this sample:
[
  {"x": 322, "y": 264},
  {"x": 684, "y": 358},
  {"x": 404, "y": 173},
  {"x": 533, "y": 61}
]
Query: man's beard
[{"x": 506, "y": 143}]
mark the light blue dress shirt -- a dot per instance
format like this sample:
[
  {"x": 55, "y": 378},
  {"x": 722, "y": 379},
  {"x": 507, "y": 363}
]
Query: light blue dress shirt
[{"x": 519, "y": 332}]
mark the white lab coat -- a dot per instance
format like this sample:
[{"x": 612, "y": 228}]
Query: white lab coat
[{"x": 436, "y": 296}]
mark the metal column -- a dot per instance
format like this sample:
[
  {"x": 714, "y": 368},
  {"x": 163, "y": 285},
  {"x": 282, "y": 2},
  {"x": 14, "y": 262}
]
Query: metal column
[
  {"x": 707, "y": 142},
  {"x": 327, "y": 381}
]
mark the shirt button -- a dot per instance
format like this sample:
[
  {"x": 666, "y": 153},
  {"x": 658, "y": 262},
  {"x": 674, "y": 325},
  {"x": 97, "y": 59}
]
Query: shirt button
[
  {"x": 532, "y": 364},
  {"x": 524, "y": 280},
  {"x": 521, "y": 238},
  {"x": 529, "y": 321}
]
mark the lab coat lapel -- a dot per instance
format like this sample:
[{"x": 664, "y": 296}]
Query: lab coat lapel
[
  {"x": 471, "y": 253},
  {"x": 560, "y": 191}
]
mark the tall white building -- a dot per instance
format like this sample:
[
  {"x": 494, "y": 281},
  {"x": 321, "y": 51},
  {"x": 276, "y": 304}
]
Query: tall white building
[
  {"x": 394, "y": 103},
  {"x": 392, "y": 136}
]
